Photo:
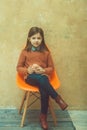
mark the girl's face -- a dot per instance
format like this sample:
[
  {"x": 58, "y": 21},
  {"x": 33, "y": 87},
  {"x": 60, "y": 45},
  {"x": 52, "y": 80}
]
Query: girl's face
[{"x": 36, "y": 39}]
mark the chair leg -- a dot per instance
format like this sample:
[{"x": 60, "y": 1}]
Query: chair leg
[
  {"x": 52, "y": 112},
  {"x": 25, "y": 109},
  {"x": 22, "y": 103}
]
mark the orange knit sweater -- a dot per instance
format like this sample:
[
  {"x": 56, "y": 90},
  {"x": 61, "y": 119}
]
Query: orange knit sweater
[{"x": 43, "y": 59}]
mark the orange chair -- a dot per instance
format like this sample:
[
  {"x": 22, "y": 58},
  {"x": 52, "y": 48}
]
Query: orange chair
[{"x": 33, "y": 90}]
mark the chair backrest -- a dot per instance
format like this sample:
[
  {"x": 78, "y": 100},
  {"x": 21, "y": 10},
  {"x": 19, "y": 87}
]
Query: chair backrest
[{"x": 54, "y": 80}]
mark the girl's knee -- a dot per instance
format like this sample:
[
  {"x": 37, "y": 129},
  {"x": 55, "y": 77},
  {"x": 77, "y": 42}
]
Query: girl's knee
[{"x": 44, "y": 79}]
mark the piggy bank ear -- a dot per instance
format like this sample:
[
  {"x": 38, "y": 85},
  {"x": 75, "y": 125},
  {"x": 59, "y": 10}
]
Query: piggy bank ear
[{"x": 35, "y": 65}]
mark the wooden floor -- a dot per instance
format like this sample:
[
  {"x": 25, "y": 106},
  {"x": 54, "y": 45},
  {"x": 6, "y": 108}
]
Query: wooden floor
[
  {"x": 79, "y": 119},
  {"x": 66, "y": 120}
]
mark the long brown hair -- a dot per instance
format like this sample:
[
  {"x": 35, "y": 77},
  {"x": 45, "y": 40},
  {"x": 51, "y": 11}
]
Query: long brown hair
[{"x": 33, "y": 31}]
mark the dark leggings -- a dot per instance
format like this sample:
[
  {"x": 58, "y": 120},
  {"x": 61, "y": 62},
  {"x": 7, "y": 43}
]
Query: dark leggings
[{"x": 45, "y": 89}]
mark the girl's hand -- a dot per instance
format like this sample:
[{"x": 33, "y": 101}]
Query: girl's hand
[
  {"x": 30, "y": 70},
  {"x": 39, "y": 70}
]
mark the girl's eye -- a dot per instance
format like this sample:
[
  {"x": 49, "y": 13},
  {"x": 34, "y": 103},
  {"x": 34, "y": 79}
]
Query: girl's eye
[
  {"x": 33, "y": 37},
  {"x": 38, "y": 38}
]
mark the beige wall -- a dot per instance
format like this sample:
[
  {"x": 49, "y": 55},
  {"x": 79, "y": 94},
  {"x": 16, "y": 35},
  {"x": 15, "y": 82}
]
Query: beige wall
[{"x": 64, "y": 23}]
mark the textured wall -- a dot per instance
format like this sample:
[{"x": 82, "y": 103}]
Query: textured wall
[{"x": 64, "y": 23}]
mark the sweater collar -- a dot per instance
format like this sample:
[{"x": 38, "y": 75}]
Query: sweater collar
[{"x": 35, "y": 48}]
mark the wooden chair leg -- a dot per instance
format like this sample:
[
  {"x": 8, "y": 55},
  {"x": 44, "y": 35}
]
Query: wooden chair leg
[
  {"x": 52, "y": 112},
  {"x": 25, "y": 109},
  {"x": 22, "y": 103}
]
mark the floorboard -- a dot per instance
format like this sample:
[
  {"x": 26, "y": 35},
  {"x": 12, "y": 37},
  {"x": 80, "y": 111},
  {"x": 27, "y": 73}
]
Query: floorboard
[{"x": 66, "y": 120}]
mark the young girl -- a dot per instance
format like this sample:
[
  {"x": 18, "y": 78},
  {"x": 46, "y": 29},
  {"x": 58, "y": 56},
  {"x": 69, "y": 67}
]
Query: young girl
[{"x": 35, "y": 65}]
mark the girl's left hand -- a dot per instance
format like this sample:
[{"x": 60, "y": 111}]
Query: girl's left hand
[{"x": 39, "y": 70}]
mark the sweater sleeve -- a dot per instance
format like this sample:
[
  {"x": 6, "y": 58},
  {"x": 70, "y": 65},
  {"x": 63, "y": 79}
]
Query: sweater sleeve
[
  {"x": 50, "y": 65},
  {"x": 21, "y": 68}
]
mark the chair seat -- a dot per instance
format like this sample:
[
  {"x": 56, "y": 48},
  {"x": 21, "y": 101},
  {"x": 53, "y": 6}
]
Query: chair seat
[{"x": 23, "y": 85}]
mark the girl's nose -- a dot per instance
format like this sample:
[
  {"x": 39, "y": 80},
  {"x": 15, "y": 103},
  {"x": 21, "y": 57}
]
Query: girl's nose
[{"x": 36, "y": 39}]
